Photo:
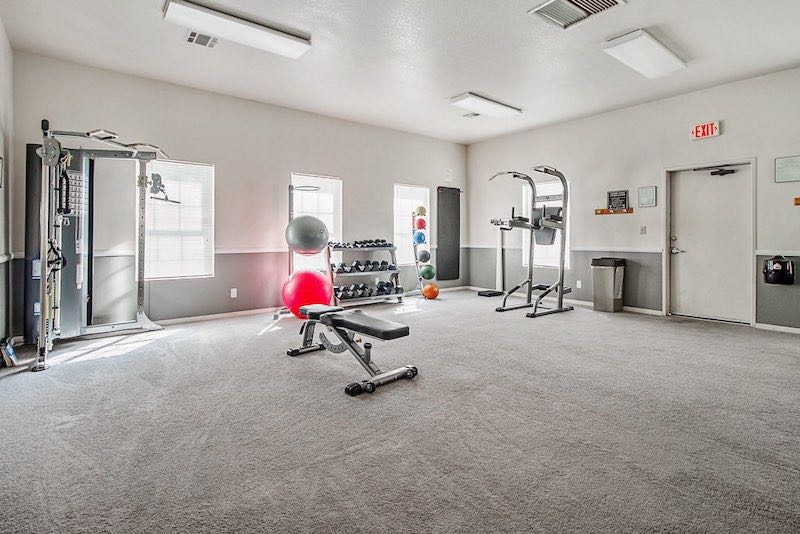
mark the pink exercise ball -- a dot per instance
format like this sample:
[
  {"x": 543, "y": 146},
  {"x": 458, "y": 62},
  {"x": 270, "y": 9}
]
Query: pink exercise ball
[{"x": 306, "y": 287}]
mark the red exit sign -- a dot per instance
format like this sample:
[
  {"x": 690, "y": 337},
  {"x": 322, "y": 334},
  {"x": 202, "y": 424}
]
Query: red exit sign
[{"x": 705, "y": 130}]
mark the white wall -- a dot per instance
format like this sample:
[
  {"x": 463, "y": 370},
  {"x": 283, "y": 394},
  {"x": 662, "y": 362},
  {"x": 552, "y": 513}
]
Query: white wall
[
  {"x": 254, "y": 146},
  {"x": 629, "y": 148},
  {"x": 6, "y": 133}
]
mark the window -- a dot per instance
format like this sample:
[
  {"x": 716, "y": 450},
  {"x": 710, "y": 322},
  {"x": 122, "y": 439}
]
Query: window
[
  {"x": 406, "y": 199},
  {"x": 544, "y": 255},
  {"x": 179, "y": 239},
  {"x": 320, "y": 197}
]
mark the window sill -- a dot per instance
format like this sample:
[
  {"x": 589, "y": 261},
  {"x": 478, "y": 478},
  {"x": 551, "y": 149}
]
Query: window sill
[
  {"x": 547, "y": 267},
  {"x": 179, "y": 277}
]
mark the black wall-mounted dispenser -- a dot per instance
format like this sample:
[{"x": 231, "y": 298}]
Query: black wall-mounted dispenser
[{"x": 779, "y": 270}]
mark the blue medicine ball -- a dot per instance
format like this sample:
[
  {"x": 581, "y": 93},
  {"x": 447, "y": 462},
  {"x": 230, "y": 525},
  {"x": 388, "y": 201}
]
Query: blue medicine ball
[{"x": 419, "y": 237}]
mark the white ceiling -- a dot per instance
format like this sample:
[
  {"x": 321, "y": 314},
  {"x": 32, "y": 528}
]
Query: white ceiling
[{"x": 396, "y": 63}]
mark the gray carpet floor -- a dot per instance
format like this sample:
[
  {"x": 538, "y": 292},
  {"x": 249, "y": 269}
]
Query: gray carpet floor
[{"x": 580, "y": 422}]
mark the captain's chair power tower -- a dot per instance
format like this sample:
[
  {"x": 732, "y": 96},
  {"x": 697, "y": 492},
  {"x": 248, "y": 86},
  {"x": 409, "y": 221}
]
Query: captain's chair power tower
[{"x": 542, "y": 225}]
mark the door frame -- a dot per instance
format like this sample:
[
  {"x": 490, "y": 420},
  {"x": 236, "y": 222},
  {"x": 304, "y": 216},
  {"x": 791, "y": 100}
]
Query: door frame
[{"x": 666, "y": 257}]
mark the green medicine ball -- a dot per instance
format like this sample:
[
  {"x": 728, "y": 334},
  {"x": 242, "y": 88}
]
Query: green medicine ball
[{"x": 427, "y": 272}]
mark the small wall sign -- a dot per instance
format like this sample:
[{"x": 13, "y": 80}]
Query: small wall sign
[
  {"x": 705, "y": 130},
  {"x": 618, "y": 200}
]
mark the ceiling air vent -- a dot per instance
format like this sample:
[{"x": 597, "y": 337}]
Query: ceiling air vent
[
  {"x": 565, "y": 13},
  {"x": 202, "y": 39}
]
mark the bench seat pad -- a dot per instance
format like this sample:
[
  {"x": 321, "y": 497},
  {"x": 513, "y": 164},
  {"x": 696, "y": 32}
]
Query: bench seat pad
[
  {"x": 314, "y": 311},
  {"x": 358, "y": 321}
]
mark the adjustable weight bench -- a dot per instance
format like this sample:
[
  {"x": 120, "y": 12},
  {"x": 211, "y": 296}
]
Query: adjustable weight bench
[{"x": 345, "y": 324}]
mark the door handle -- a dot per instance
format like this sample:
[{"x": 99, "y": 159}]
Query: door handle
[{"x": 675, "y": 250}]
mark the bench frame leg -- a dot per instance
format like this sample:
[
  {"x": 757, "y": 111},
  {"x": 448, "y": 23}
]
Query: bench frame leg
[
  {"x": 307, "y": 331},
  {"x": 347, "y": 342}
]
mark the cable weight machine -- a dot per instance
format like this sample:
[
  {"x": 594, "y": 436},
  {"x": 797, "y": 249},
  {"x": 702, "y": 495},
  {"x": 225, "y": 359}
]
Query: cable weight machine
[
  {"x": 58, "y": 242},
  {"x": 542, "y": 225}
]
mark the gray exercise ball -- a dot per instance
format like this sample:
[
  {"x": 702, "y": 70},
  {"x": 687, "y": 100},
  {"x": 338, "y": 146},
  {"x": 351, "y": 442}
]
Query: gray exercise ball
[
  {"x": 306, "y": 235},
  {"x": 424, "y": 256}
]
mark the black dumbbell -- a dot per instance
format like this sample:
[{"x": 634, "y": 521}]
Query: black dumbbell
[
  {"x": 384, "y": 265},
  {"x": 392, "y": 267},
  {"x": 341, "y": 268},
  {"x": 344, "y": 295},
  {"x": 398, "y": 289}
]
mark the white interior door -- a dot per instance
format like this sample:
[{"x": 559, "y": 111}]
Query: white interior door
[{"x": 711, "y": 244}]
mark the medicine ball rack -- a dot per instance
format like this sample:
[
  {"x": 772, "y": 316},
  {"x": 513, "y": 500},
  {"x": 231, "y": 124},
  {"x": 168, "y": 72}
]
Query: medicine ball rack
[
  {"x": 417, "y": 264},
  {"x": 394, "y": 276}
]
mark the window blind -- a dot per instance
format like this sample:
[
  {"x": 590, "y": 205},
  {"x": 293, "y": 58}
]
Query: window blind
[{"x": 180, "y": 237}]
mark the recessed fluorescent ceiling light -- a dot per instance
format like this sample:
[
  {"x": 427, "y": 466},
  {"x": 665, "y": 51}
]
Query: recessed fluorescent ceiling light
[
  {"x": 640, "y": 51},
  {"x": 198, "y": 18},
  {"x": 484, "y": 106}
]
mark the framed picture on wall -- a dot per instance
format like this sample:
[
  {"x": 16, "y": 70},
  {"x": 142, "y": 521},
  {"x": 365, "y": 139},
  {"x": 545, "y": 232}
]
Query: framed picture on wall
[
  {"x": 647, "y": 196},
  {"x": 787, "y": 169}
]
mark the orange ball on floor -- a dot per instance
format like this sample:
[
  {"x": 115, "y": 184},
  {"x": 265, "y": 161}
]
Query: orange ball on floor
[{"x": 430, "y": 291}]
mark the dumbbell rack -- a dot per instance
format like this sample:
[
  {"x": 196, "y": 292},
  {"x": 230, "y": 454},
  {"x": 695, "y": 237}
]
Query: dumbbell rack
[{"x": 394, "y": 276}]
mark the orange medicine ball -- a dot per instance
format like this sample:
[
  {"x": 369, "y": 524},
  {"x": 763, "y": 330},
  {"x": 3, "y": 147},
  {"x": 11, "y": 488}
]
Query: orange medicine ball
[{"x": 430, "y": 291}]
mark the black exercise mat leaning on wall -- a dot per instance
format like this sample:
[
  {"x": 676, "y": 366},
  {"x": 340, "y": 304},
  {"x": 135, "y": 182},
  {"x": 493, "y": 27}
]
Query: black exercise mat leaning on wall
[{"x": 448, "y": 231}]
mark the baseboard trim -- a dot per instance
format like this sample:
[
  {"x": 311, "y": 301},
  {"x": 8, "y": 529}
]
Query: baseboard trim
[
  {"x": 777, "y": 328},
  {"x": 201, "y": 318},
  {"x": 645, "y": 311},
  {"x": 456, "y": 288}
]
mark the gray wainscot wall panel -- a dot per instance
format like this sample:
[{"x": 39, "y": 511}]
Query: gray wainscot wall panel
[
  {"x": 4, "y": 299},
  {"x": 642, "y": 274},
  {"x": 258, "y": 277},
  {"x": 16, "y": 296},
  {"x": 114, "y": 292},
  {"x": 776, "y": 304}
]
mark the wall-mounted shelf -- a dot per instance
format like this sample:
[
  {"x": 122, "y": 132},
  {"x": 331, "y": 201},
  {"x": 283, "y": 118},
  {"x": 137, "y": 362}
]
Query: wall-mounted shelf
[{"x": 604, "y": 211}]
